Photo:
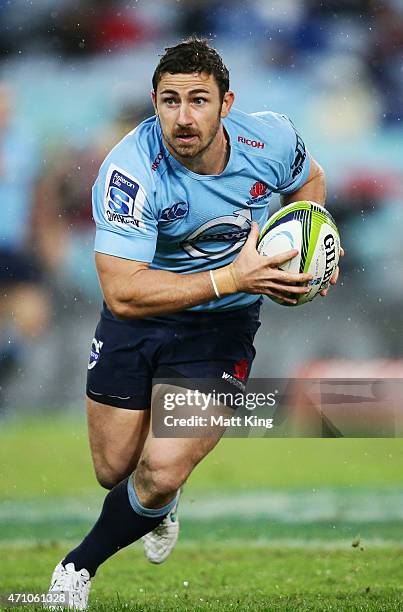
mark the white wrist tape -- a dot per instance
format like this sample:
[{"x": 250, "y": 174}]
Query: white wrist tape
[{"x": 214, "y": 285}]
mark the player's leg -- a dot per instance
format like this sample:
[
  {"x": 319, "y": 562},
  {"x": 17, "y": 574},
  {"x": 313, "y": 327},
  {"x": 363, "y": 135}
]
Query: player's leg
[
  {"x": 125, "y": 517},
  {"x": 119, "y": 393},
  {"x": 116, "y": 437},
  {"x": 118, "y": 398},
  {"x": 139, "y": 503},
  {"x": 156, "y": 476},
  {"x": 166, "y": 462},
  {"x": 219, "y": 350}
]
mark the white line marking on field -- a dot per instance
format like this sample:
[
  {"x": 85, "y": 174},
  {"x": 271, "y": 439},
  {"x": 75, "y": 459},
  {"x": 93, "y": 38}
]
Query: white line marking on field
[
  {"x": 300, "y": 506},
  {"x": 296, "y": 507}
]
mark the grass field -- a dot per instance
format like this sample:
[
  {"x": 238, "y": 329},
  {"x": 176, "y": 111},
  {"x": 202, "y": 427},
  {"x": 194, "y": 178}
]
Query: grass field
[{"x": 266, "y": 524}]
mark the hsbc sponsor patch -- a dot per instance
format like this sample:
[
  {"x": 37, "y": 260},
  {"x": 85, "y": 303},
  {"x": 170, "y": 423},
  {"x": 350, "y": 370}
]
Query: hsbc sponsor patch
[{"x": 124, "y": 199}]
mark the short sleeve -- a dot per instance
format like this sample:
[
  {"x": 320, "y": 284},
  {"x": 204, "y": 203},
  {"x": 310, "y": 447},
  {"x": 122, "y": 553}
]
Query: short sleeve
[
  {"x": 126, "y": 225},
  {"x": 294, "y": 161}
]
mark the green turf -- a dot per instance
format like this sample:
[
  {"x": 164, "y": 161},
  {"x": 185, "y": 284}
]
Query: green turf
[
  {"x": 238, "y": 560},
  {"x": 50, "y": 458},
  {"x": 331, "y": 517},
  {"x": 73, "y": 531},
  {"x": 218, "y": 577}
]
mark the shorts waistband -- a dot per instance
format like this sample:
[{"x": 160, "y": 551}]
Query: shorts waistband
[{"x": 188, "y": 316}]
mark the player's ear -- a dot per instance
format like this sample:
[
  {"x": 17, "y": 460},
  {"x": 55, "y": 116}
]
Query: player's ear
[
  {"x": 154, "y": 101},
  {"x": 227, "y": 102}
]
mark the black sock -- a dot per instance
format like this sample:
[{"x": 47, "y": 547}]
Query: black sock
[{"x": 118, "y": 526}]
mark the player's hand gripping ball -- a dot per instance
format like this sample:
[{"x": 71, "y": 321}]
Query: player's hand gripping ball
[{"x": 311, "y": 229}]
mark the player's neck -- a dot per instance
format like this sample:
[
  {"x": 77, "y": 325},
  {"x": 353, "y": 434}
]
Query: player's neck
[{"x": 211, "y": 161}]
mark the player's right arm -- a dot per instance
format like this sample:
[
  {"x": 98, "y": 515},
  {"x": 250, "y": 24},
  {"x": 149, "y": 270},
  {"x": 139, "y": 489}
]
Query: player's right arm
[
  {"x": 126, "y": 216},
  {"x": 132, "y": 290}
]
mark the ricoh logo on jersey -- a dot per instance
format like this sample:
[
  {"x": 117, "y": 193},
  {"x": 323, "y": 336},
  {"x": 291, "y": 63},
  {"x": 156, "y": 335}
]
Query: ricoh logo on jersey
[
  {"x": 124, "y": 199},
  {"x": 259, "y": 193},
  {"x": 219, "y": 237},
  {"x": 256, "y": 144}
]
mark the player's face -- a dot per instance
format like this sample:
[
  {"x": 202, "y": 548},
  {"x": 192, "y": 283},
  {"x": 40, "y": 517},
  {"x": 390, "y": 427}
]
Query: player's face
[{"x": 190, "y": 112}]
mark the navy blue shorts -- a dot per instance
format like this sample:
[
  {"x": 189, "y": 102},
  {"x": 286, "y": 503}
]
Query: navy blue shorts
[{"x": 127, "y": 355}]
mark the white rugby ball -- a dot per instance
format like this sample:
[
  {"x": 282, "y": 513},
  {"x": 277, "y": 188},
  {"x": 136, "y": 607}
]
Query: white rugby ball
[{"x": 311, "y": 229}]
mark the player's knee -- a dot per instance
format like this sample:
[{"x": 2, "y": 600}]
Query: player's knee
[
  {"x": 166, "y": 482},
  {"x": 159, "y": 480},
  {"x": 111, "y": 469},
  {"x": 108, "y": 477}
]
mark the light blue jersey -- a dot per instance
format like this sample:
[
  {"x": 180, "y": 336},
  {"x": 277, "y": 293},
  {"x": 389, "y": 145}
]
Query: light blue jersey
[{"x": 148, "y": 207}]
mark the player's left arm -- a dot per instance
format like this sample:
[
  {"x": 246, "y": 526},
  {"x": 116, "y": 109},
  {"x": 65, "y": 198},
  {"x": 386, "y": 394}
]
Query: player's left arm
[{"x": 313, "y": 190}]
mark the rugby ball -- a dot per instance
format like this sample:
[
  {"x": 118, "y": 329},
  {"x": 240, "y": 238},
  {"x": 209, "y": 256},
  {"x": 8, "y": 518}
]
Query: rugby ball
[{"x": 311, "y": 229}]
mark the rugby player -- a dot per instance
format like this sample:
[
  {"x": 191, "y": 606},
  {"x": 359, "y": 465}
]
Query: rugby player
[{"x": 178, "y": 204}]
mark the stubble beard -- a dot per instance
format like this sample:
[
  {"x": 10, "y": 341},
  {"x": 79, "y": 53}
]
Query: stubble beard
[{"x": 188, "y": 152}]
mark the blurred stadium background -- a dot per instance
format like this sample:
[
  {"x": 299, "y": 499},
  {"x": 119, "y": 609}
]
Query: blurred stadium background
[{"x": 74, "y": 77}]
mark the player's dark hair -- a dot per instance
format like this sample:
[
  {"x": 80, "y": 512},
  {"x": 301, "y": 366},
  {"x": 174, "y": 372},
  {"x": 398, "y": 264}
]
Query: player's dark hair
[{"x": 193, "y": 55}]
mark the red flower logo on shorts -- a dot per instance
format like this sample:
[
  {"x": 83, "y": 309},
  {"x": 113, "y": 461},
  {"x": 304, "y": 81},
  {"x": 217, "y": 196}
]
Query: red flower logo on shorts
[
  {"x": 241, "y": 369},
  {"x": 258, "y": 189}
]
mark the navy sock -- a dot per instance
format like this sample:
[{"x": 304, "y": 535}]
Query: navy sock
[{"x": 123, "y": 520}]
